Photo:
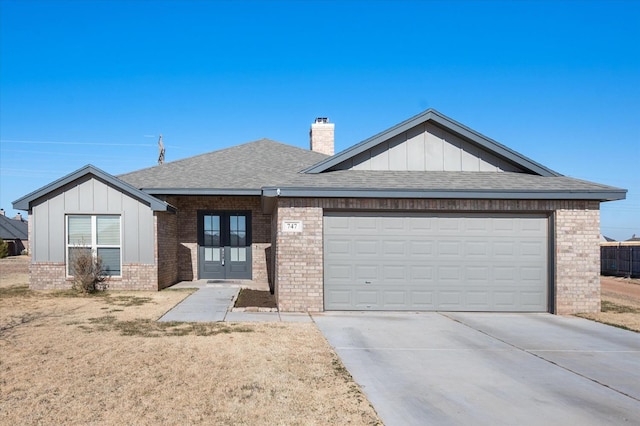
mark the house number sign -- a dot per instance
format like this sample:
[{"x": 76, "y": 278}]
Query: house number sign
[{"x": 292, "y": 226}]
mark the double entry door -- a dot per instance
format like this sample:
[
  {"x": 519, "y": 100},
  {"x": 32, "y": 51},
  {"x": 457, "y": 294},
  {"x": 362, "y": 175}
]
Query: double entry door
[{"x": 224, "y": 244}]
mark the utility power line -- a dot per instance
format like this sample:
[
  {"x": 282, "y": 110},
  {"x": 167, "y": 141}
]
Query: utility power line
[{"x": 73, "y": 143}]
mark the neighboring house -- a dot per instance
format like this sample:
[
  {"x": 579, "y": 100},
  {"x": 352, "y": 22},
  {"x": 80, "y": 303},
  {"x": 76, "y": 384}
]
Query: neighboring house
[
  {"x": 427, "y": 215},
  {"x": 15, "y": 232}
]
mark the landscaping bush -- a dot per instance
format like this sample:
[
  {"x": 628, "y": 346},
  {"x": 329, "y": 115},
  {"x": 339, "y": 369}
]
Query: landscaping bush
[{"x": 88, "y": 274}]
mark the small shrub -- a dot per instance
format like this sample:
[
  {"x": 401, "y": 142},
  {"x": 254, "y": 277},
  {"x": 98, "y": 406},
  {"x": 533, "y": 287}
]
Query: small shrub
[
  {"x": 4, "y": 249},
  {"x": 88, "y": 274}
]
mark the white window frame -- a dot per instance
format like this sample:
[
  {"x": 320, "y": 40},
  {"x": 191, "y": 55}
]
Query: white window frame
[{"x": 93, "y": 245}]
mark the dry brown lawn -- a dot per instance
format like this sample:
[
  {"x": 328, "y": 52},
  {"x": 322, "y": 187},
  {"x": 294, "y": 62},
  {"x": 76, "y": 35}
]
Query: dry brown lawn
[
  {"x": 620, "y": 303},
  {"x": 105, "y": 360}
]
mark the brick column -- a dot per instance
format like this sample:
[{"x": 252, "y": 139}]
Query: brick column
[
  {"x": 577, "y": 253},
  {"x": 299, "y": 274}
]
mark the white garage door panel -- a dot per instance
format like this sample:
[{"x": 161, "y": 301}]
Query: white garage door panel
[{"x": 440, "y": 262}]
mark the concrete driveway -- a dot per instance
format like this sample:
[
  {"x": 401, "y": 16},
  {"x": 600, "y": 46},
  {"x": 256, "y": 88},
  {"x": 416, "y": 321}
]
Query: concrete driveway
[{"x": 486, "y": 368}]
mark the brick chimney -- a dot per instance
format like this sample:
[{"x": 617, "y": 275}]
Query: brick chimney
[{"x": 321, "y": 136}]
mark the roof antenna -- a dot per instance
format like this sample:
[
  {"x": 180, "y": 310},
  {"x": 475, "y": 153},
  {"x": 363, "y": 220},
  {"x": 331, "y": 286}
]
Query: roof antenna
[{"x": 161, "y": 149}]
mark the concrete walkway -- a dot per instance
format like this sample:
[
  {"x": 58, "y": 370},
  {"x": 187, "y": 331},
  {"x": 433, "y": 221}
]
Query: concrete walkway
[
  {"x": 208, "y": 304},
  {"x": 213, "y": 304}
]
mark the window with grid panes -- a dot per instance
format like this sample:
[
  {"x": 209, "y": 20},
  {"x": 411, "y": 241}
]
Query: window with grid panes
[{"x": 98, "y": 234}]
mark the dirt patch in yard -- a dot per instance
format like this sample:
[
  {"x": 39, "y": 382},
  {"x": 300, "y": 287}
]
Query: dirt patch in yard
[
  {"x": 255, "y": 298},
  {"x": 620, "y": 303},
  {"x": 628, "y": 288},
  {"x": 105, "y": 360}
]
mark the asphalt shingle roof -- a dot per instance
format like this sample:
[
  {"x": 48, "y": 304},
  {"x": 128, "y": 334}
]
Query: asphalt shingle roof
[
  {"x": 475, "y": 181},
  {"x": 269, "y": 164},
  {"x": 12, "y": 229},
  {"x": 251, "y": 165}
]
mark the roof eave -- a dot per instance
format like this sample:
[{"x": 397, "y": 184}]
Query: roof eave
[
  {"x": 297, "y": 192},
  {"x": 202, "y": 191}
]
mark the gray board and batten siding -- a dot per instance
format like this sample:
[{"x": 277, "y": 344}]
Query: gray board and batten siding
[
  {"x": 426, "y": 147},
  {"x": 448, "y": 262},
  {"x": 453, "y": 151},
  {"x": 89, "y": 195}
]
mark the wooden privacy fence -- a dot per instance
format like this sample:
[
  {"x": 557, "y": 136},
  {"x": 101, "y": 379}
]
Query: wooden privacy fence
[{"x": 620, "y": 258}]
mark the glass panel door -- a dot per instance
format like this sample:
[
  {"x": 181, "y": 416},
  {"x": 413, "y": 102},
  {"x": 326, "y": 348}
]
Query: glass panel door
[
  {"x": 211, "y": 230},
  {"x": 210, "y": 250},
  {"x": 224, "y": 245},
  {"x": 237, "y": 243}
]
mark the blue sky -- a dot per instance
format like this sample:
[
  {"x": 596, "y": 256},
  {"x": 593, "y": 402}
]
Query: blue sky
[{"x": 97, "y": 81}]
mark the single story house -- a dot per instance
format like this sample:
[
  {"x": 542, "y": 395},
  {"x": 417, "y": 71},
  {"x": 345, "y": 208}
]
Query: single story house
[
  {"x": 15, "y": 232},
  {"x": 427, "y": 215}
]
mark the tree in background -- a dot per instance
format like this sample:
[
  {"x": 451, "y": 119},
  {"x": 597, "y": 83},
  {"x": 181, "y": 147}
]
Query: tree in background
[{"x": 4, "y": 249}]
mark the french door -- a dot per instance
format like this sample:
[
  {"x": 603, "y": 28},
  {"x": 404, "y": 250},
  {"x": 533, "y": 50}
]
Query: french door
[{"x": 224, "y": 244}]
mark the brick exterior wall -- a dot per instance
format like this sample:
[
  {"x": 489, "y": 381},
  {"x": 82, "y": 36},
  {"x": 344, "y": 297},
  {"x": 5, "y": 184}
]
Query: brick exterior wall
[
  {"x": 300, "y": 262},
  {"x": 261, "y": 253},
  {"x": 299, "y": 269},
  {"x": 136, "y": 276},
  {"x": 166, "y": 231},
  {"x": 577, "y": 255},
  {"x": 187, "y": 232},
  {"x": 52, "y": 276},
  {"x": 48, "y": 276}
]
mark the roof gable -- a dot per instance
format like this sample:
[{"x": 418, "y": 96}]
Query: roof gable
[
  {"x": 12, "y": 229},
  {"x": 430, "y": 141},
  {"x": 155, "y": 204}
]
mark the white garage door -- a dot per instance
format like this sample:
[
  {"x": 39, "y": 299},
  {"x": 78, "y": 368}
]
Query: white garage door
[{"x": 445, "y": 262}]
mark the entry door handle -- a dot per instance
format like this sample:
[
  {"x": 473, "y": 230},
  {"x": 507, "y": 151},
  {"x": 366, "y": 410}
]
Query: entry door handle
[{"x": 222, "y": 255}]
